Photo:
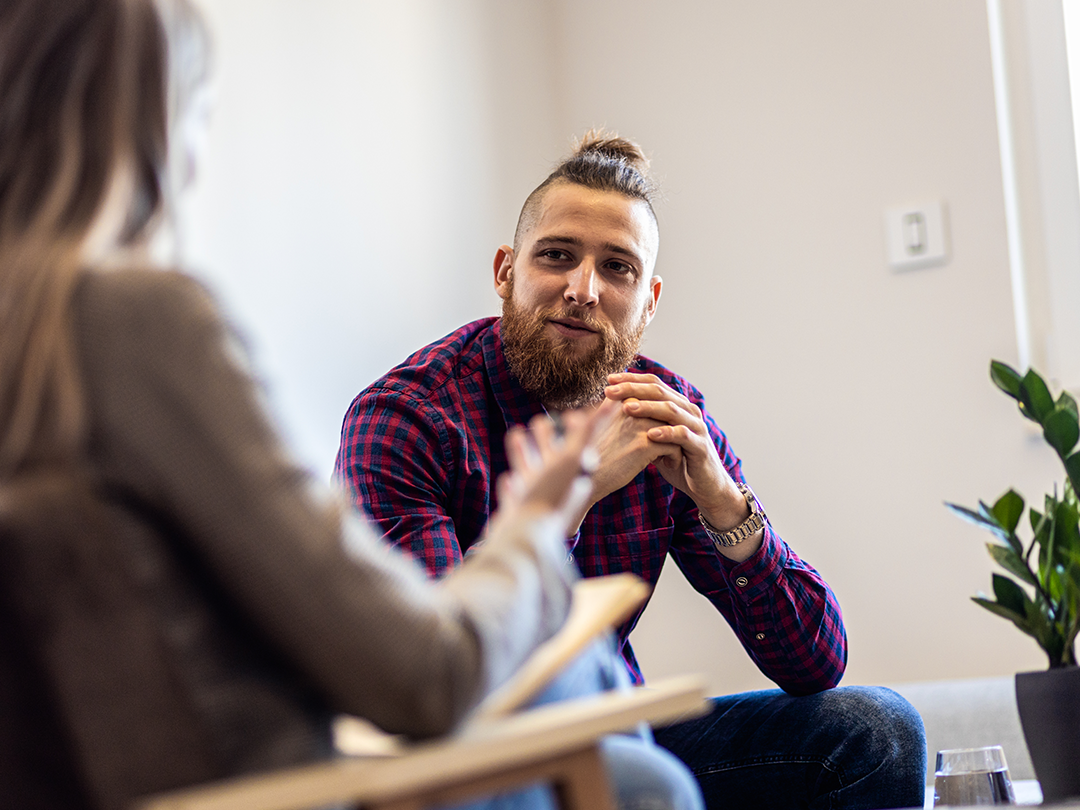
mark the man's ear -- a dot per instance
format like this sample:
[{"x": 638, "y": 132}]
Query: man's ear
[
  {"x": 656, "y": 284},
  {"x": 504, "y": 265}
]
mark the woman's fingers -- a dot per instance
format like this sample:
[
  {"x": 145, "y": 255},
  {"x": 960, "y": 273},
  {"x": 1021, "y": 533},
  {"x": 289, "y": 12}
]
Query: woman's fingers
[
  {"x": 551, "y": 461},
  {"x": 578, "y": 496}
]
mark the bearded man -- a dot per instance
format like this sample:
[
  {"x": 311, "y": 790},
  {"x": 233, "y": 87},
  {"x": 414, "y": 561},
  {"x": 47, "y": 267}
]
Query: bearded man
[{"x": 421, "y": 449}]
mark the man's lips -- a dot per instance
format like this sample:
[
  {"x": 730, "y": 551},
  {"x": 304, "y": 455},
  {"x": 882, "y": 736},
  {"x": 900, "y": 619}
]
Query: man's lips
[{"x": 571, "y": 327}]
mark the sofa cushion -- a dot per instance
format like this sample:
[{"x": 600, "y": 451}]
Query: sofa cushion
[{"x": 970, "y": 713}]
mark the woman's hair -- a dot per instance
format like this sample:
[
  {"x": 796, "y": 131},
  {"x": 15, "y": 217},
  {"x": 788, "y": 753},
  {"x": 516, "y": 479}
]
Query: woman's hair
[
  {"x": 83, "y": 101},
  {"x": 601, "y": 161}
]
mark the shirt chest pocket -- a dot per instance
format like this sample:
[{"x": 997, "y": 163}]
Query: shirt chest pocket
[{"x": 640, "y": 553}]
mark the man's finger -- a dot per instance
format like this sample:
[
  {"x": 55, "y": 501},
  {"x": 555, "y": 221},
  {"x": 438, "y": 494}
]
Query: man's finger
[
  {"x": 646, "y": 391},
  {"x": 679, "y": 436},
  {"x": 632, "y": 376},
  {"x": 666, "y": 412}
]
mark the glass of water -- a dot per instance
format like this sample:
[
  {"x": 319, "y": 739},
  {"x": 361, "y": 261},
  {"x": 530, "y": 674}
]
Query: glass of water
[{"x": 972, "y": 776}]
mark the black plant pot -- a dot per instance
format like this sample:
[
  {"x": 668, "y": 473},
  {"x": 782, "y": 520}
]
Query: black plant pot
[{"x": 1049, "y": 704}]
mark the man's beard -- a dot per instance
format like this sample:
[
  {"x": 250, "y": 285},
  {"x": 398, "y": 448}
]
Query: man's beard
[{"x": 547, "y": 368}]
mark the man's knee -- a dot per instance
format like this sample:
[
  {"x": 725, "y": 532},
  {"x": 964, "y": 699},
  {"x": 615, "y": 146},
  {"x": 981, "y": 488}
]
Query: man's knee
[
  {"x": 880, "y": 713},
  {"x": 884, "y": 735}
]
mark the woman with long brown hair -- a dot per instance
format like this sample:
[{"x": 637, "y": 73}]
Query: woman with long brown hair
[{"x": 178, "y": 602}]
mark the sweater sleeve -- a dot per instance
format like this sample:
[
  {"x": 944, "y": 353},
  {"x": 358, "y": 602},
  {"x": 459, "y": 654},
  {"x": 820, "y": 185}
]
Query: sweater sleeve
[{"x": 178, "y": 420}]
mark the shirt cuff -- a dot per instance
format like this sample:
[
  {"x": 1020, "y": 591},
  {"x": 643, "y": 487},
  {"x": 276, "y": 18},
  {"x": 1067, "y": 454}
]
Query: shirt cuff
[{"x": 752, "y": 577}]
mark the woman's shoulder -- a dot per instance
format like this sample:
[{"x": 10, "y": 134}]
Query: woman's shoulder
[
  {"x": 144, "y": 309},
  {"x": 141, "y": 293},
  {"x": 145, "y": 317}
]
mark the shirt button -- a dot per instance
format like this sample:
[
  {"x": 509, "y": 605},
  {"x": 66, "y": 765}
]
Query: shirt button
[
  {"x": 742, "y": 582},
  {"x": 760, "y": 636}
]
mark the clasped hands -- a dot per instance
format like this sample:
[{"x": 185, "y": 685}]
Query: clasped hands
[
  {"x": 655, "y": 424},
  {"x": 563, "y": 472}
]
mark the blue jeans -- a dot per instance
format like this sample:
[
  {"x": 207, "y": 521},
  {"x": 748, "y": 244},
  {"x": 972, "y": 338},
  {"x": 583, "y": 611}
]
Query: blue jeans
[
  {"x": 851, "y": 747},
  {"x": 643, "y": 776}
]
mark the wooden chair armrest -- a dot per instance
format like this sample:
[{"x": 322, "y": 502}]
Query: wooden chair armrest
[
  {"x": 480, "y": 750},
  {"x": 598, "y": 604}
]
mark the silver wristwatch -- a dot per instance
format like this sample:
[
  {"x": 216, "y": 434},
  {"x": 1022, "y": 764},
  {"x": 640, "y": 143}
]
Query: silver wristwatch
[{"x": 748, "y": 527}]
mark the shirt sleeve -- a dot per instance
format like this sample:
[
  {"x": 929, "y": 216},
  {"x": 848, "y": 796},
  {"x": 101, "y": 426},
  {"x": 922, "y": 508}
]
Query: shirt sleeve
[
  {"x": 782, "y": 610},
  {"x": 395, "y": 460},
  {"x": 179, "y": 422}
]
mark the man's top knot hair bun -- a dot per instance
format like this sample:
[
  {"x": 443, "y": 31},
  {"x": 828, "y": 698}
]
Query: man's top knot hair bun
[
  {"x": 601, "y": 161},
  {"x": 610, "y": 145}
]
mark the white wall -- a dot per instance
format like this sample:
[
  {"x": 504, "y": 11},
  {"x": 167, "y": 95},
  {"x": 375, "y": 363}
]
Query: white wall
[
  {"x": 368, "y": 158},
  {"x": 347, "y": 202}
]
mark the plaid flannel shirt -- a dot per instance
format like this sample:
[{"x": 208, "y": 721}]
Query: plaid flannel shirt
[{"x": 421, "y": 449}]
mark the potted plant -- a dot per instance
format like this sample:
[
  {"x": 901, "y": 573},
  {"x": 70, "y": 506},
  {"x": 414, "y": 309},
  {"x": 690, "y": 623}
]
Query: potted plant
[{"x": 1040, "y": 591}]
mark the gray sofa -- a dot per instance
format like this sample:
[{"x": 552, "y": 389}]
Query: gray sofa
[{"x": 968, "y": 714}]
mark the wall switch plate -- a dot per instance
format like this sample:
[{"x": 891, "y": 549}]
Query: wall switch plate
[{"x": 915, "y": 235}]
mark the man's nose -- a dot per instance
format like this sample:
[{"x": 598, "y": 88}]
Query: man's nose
[{"x": 582, "y": 285}]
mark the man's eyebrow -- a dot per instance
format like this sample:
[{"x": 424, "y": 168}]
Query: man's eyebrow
[
  {"x": 576, "y": 242},
  {"x": 560, "y": 240}
]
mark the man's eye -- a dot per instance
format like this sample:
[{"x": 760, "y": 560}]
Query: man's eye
[
  {"x": 621, "y": 268},
  {"x": 553, "y": 254}
]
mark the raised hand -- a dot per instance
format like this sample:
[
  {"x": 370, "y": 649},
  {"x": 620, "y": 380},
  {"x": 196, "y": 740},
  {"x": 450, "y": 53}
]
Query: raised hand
[{"x": 551, "y": 465}]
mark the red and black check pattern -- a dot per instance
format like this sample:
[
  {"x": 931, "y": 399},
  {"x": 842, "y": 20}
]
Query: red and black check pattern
[{"x": 421, "y": 449}]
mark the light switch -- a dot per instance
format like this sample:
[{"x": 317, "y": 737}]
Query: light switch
[{"x": 915, "y": 235}]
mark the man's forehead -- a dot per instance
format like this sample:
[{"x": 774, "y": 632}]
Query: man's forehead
[{"x": 573, "y": 214}]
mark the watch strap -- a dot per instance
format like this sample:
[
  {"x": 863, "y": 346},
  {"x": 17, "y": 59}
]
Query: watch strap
[{"x": 754, "y": 523}]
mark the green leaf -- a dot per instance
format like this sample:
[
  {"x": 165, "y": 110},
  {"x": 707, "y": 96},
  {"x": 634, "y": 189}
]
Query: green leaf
[
  {"x": 1035, "y": 396},
  {"x": 1073, "y": 626},
  {"x": 978, "y": 518},
  {"x": 1044, "y": 631},
  {"x": 1005, "y": 378},
  {"x": 1066, "y": 402},
  {"x": 1072, "y": 591},
  {"x": 1061, "y": 431},
  {"x": 1068, "y": 494},
  {"x": 1008, "y": 509},
  {"x": 1016, "y": 618},
  {"x": 1072, "y": 468},
  {"x": 1066, "y": 531},
  {"x": 1070, "y": 556},
  {"x": 984, "y": 519},
  {"x": 1047, "y": 558},
  {"x": 1010, "y": 595},
  {"x": 1011, "y": 561},
  {"x": 1036, "y": 519},
  {"x": 1054, "y": 585}
]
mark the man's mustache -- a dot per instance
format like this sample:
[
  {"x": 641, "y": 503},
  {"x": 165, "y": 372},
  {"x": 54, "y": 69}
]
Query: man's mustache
[{"x": 576, "y": 313}]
